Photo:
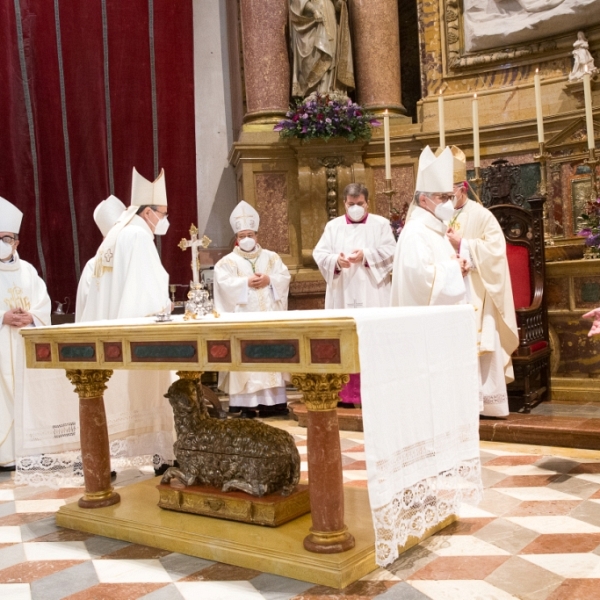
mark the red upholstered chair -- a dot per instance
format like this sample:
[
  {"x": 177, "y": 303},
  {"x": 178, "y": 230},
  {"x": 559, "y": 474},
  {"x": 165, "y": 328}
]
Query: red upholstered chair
[{"x": 523, "y": 227}]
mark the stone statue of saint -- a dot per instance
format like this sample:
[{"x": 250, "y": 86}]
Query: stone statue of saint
[
  {"x": 321, "y": 47},
  {"x": 583, "y": 62}
]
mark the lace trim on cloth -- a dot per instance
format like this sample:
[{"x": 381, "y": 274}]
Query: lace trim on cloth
[
  {"x": 424, "y": 505},
  {"x": 495, "y": 399},
  {"x": 65, "y": 469}
]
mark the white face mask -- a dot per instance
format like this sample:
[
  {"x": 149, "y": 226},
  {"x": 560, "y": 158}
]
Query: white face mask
[
  {"x": 445, "y": 211},
  {"x": 356, "y": 212},
  {"x": 162, "y": 226},
  {"x": 247, "y": 244},
  {"x": 6, "y": 250}
]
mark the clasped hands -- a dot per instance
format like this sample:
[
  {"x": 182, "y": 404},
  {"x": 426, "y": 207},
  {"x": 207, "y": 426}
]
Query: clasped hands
[
  {"x": 355, "y": 257},
  {"x": 258, "y": 281},
  {"x": 17, "y": 317}
]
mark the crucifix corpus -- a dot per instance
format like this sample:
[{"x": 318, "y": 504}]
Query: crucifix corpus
[{"x": 194, "y": 243}]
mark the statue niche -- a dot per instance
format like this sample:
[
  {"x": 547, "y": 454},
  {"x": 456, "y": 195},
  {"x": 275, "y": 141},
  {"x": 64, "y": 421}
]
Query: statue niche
[
  {"x": 243, "y": 455},
  {"x": 321, "y": 48}
]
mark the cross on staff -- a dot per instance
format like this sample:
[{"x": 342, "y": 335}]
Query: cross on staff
[{"x": 194, "y": 243}]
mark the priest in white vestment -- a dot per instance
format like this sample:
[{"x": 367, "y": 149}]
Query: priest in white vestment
[
  {"x": 427, "y": 270},
  {"x": 24, "y": 302},
  {"x": 251, "y": 279},
  {"x": 476, "y": 236},
  {"x": 355, "y": 256},
  {"x": 106, "y": 214}
]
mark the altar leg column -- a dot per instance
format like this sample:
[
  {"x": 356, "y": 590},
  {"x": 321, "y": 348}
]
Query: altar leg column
[
  {"x": 266, "y": 62},
  {"x": 95, "y": 451},
  {"x": 377, "y": 64},
  {"x": 329, "y": 533}
]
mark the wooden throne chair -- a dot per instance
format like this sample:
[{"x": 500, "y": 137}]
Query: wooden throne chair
[{"x": 523, "y": 226}]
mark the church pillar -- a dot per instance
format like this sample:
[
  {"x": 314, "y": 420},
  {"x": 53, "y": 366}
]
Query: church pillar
[
  {"x": 95, "y": 452},
  {"x": 376, "y": 43},
  {"x": 329, "y": 534},
  {"x": 266, "y": 62}
]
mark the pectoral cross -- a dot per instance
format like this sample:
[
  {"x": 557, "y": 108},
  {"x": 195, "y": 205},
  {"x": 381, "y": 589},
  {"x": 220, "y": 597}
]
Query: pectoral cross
[
  {"x": 194, "y": 243},
  {"x": 355, "y": 304}
]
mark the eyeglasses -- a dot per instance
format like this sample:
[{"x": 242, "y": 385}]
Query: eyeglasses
[
  {"x": 443, "y": 197},
  {"x": 8, "y": 239},
  {"x": 160, "y": 213}
]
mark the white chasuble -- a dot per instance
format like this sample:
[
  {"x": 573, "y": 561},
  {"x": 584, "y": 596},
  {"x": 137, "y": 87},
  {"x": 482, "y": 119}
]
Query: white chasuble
[
  {"x": 365, "y": 285},
  {"x": 83, "y": 288},
  {"x": 425, "y": 274},
  {"x": 489, "y": 290},
  {"x": 232, "y": 294},
  {"x": 20, "y": 287}
]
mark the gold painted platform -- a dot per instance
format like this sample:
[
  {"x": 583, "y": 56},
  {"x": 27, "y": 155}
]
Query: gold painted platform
[
  {"x": 138, "y": 519},
  {"x": 272, "y": 510}
]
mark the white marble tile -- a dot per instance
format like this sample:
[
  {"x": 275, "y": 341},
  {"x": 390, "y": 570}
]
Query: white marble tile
[
  {"x": 38, "y": 506},
  {"x": 468, "y": 511},
  {"x": 130, "y": 571},
  {"x": 355, "y": 455},
  {"x": 554, "y": 524},
  {"x": 218, "y": 590},
  {"x": 6, "y": 495},
  {"x": 460, "y": 589},
  {"x": 357, "y": 475},
  {"x": 56, "y": 551},
  {"x": 15, "y": 591},
  {"x": 515, "y": 470},
  {"x": 381, "y": 575},
  {"x": 10, "y": 534},
  {"x": 572, "y": 566},
  {"x": 593, "y": 477},
  {"x": 535, "y": 494},
  {"x": 461, "y": 545}
]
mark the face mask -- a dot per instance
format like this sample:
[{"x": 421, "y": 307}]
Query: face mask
[
  {"x": 6, "y": 250},
  {"x": 445, "y": 211},
  {"x": 247, "y": 244},
  {"x": 162, "y": 226},
  {"x": 356, "y": 212}
]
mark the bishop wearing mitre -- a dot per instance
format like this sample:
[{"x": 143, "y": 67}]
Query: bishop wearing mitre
[
  {"x": 24, "y": 302},
  {"x": 251, "y": 279}
]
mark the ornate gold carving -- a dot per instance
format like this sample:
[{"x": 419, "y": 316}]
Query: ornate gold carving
[
  {"x": 321, "y": 392},
  {"x": 191, "y": 375},
  {"x": 89, "y": 383}
]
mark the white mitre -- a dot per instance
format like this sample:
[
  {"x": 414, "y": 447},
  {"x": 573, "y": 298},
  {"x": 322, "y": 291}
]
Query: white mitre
[
  {"x": 148, "y": 193},
  {"x": 435, "y": 173},
  {"x": 244, "y": 217},
  {"x": 10, "y": 217},
  {"x": 107, "y": 213}
]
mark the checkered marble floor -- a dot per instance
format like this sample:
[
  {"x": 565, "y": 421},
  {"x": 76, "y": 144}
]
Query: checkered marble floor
[{"x": 535, "y": 536}]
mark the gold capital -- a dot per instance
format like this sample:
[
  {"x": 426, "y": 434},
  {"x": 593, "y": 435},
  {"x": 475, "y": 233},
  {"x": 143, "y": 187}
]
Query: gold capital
[
  {"x": 321, "y": 392},
  {"x": 193, "y": 375},
  {"x": 89, "y": 383}
]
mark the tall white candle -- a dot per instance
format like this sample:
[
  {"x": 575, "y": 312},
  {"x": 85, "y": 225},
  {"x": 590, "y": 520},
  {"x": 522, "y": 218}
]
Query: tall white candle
[
  {"x": 589, "y": 118},
  {"x": 441, "y": 121},
  {"x": 476, "y": 156},
  {"x": 538, "y": 106},
  {"x": 386, "y": 137}
]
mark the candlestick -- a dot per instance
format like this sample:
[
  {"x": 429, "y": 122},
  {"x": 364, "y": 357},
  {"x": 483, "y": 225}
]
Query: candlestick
[
  {"x": 441, "y": 121},
  {"x": 589, "y": 118},
  {"x": 476, "y": 154},
  {"x": 543, "y": 157},
  {"x": 386, "y": 139},
  {"x": 538, "y": 106}
]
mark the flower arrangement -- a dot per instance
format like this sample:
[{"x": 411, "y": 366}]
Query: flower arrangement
[
  {"x": 326, "y": 116},
  {"x": 398, "y": 219},
  {"x": 589, "y": 227}
]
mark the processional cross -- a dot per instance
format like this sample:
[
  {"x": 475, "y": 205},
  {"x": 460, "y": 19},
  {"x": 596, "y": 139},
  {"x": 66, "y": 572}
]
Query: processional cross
[{"x": 194, "y": 243}]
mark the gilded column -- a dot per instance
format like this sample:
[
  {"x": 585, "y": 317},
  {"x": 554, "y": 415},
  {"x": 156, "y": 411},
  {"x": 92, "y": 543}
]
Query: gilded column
[
  {"x": 266, "y": 62},
  {"x": 328, "y": 533},
  {"x": 95, "y": 452},
  {"x": 376, "y": 44}
]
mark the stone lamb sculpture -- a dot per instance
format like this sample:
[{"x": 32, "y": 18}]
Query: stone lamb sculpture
[{"x": 234, "y": 454}]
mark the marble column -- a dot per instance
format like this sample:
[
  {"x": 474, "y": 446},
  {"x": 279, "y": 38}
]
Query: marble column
[
  {"x": 329, "y": 534},
  {"x": 266, "y": 62},
  {"x": 376, "y": 41},
  {"x": 95, "y": 451}
]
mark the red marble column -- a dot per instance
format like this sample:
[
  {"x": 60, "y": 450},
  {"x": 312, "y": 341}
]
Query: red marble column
[
  {"x": 266, "y": 61},
  {"x": 376, "y": 43},
  {"x": 95, "y": 452},
  {"x": 329, "y": 534}
]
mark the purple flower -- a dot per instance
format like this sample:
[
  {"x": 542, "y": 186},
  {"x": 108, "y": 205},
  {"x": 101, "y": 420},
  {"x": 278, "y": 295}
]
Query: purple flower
[
  {"x": 593, "y": 240},
  {"x": 586, "y": 232}
]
